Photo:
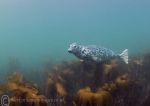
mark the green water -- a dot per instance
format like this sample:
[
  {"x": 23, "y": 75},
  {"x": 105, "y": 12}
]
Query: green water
[{"x": 38, "y": 30}]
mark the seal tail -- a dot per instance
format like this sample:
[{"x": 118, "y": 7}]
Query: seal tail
[{"x": 124, "y": 56}]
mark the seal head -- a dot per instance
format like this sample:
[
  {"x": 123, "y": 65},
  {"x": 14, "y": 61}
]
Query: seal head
[{"x": 73, "y": 48}]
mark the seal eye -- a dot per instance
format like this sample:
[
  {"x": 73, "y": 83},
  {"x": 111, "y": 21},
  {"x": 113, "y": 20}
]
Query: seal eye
[{"x": 74, "y": 46}]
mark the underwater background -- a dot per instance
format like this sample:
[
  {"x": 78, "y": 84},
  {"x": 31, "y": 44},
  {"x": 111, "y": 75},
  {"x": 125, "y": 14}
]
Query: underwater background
[
  {"x": 34, "y": 30},
  {"x": 36, "y": 66}
]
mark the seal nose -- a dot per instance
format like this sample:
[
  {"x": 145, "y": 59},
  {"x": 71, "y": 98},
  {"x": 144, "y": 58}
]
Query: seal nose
[{"x": 69, "y": 50}]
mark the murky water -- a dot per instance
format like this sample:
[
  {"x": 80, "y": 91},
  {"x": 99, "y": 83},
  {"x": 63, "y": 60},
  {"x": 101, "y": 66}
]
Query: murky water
[
  {"x": 35, "y": 35},
  {"x": 33, "y": 31}
]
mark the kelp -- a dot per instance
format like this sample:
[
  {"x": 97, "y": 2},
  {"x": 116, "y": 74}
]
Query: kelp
[
  {"x": 80, "y": 83},
  {"x": 22, "y": 93}
]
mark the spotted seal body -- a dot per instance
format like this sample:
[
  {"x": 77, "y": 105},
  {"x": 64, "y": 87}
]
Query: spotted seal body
[{"x": 95, "y": 54}]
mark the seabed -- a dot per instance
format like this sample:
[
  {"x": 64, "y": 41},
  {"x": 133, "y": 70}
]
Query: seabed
[{"x": 76, "y": 83}]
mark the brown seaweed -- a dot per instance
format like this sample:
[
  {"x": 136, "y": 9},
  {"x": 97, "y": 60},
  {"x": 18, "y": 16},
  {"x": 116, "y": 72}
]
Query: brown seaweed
[
  {"x": 82, "y": 84},
  {"x": 22, "y": 93}
]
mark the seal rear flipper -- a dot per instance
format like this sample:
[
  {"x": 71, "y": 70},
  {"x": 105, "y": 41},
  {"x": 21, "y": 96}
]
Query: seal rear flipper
[{"x": 124, "y": 56}]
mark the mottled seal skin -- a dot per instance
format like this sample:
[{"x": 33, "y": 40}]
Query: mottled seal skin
[{"x": 95, "y": 54}]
